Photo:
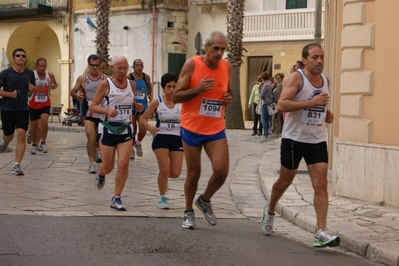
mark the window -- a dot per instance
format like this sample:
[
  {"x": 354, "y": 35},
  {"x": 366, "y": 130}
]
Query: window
[{"x": 292, "y": 4}]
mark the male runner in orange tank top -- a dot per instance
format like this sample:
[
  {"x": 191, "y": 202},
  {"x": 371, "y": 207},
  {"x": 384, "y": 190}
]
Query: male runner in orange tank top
[{"x": 203, "y": 88}]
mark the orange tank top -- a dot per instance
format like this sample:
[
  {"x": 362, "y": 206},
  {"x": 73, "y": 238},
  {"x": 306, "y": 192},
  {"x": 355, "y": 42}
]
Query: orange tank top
[{"x": 204, "y": 114}]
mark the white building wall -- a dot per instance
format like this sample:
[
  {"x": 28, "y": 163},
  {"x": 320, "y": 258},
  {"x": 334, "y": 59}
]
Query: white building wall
[
  {"x": 136, "y": 42},
  {"x": 204, "y": 23},
  {"x": 269, "y": 5}
]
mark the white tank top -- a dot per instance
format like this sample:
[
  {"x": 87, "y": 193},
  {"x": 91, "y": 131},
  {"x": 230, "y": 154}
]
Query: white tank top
[
  {"x": 90, "y": 89},
  {"x": 307, "y": 125},
  {"x": 120, "y": 99},
  {"x": 168, "y": 120}
]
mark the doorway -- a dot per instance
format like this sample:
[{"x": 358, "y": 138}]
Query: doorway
[{"x": 256, "y": 65}]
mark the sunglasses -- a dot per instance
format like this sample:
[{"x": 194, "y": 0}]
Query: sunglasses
[
  {"x": 94, "y": 65},
  {"x": 19, "y": 55}
]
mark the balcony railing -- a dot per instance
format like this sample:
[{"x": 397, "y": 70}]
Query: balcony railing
[
  {"x": 298, "y": 24},
  {"x": 32, "y": 3}
]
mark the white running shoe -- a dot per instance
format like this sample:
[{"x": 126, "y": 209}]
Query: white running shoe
[
  {"x": 324, "y": 237},
  {"x": 163, "y": 203},
  {"x": 266, "y": 224},
  {"x": 43, "y": 147},
  {"x": 33, "y": 149},
  {"x": 139, "y": 149},
  {"x": 189, "y": 220},
  {"x": 92, "y": 168}
]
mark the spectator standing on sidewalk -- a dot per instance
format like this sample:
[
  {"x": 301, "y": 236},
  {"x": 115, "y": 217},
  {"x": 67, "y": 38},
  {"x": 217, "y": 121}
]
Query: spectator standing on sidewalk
[
  {"x": 277, "y": 119},
  {"x": 114, "y": 100},
  {"x": 305, "y": 98},
  {"x": 166, "y": 143},
  {"x": 39, "y": 106},
  {"x": 266, "y": 99},
  {"x": 84, "y": 89},
  {"x": 253, "y": 102},
  {"x": 144, "y": 92},
  {"x": 204, "y": 90},
  {"x": 17, "y": 82}
]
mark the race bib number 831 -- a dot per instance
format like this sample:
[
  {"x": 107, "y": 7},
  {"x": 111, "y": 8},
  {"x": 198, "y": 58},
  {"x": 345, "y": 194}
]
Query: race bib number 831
[{"x": 314, "y": 115}]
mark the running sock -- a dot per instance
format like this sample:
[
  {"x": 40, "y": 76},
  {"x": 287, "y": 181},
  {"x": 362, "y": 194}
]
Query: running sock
[
  {"x": 186, "y": 211},
  {"x": 140, "y": 138},
  {"x": 204, "y": 201},
  {"x": 100, "y": 175},
  {"x": 271, "y": 213}
]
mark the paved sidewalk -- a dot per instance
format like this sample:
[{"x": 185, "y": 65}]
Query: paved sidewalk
[
  {"x": 368, "y": 229},
  {"x": 57, "y": 184}
]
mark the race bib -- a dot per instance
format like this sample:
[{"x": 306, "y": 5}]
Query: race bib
[
  {"x": 124, "y": 111},
  {"x": 169, "y": 125},
  {"x": 140, "y": 96},
  {"x": 41, "y": 97},
  {"x": 212, "y": 108},
  {"x": 314, "y": 115}
]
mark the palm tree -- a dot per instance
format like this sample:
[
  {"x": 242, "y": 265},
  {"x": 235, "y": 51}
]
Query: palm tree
[
  {"x": 103, "y": 9},
  {"x": 235, "y": 18}
]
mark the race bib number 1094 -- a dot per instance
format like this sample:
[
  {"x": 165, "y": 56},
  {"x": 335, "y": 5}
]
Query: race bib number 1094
[{"x": 212, "y": 108}]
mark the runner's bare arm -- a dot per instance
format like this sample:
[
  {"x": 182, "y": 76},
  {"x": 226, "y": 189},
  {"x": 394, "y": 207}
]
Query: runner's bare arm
[
  {"x": 290, "y": 89},
  {"x": 150, "y": 88},
  {"x": 146, "y": 115},
  {"x": 53, "y": 84},
  {"x": 101, "y": 92},
  {"x": 228, "y": 97},
  {"x": 77, "y": 90}
]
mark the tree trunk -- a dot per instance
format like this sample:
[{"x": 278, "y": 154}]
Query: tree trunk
[
  {"x": 235, "y": 18},
  {"x": 102, "y": 39},
  {"x": 234, "y": 118}
]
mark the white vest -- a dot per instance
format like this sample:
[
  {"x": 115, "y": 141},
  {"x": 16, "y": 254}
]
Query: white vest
[
  {"x": 120, "y": 99},
  {"x": 307, "y": 125},
  {"x": 168, "y": 120}
]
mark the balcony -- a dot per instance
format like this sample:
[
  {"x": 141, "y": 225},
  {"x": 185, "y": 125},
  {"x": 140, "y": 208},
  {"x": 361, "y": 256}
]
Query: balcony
[
  {"x": 208, "y": 6},
  {"x": 282, "y": 25},
  {"x": 21, "y": 9}
]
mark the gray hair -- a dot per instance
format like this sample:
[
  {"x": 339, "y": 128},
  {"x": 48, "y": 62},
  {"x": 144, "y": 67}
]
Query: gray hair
[
  {"x": 117, "y": 58},
  {"x": 209, "y": 39}
]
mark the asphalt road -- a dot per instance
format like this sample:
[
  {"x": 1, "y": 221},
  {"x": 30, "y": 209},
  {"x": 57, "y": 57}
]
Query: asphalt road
[{"x": 45, "y": 240}]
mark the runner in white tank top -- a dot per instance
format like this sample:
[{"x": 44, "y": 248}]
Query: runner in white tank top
[
  {"x": 166, "y": 144},
  {"x": 117, "y": 136},
  {"x": 305, "y": 97},
  {"x": 307, "y": 125}
]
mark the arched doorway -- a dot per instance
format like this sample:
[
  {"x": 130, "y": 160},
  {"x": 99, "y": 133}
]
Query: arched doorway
[{"x": 38, "y": 40}]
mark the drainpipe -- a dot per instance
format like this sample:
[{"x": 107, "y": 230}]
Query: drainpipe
[
  {"x": 69, "y": 50},
  {"x": 317, "y": 27},
  {"x": 153, "y": 47}
]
